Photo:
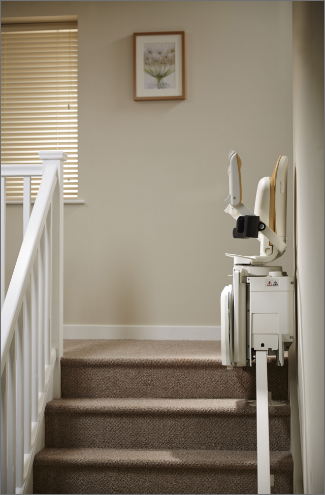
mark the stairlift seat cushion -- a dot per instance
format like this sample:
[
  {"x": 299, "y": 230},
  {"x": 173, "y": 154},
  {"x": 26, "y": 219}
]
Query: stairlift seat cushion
[
  {"x": 239, "y": 163},
  {"x": 272, "y": 220}
]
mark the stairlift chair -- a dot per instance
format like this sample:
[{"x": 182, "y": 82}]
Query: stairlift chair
[{"x": 257, "y": 308}]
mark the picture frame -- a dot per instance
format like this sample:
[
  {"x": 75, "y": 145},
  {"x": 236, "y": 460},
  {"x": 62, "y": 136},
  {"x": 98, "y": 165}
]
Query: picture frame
[{"x": 159, "y": 66}]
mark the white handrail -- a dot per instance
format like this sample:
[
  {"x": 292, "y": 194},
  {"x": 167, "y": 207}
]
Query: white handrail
[
  {"x": 31, "y": 321},
  {"x": 34, "y": 169}
]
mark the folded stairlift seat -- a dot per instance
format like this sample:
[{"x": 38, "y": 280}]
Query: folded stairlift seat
[
  {"x": 257, "y": 308},
  {"x": 270, "y": 207}
]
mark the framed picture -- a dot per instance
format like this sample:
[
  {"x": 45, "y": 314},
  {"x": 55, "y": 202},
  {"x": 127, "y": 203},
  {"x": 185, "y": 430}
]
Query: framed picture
[{"x": 159, "y": 66}]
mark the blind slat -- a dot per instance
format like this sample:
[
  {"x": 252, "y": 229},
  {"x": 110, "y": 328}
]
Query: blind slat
[{"x": 39, "y": 100}]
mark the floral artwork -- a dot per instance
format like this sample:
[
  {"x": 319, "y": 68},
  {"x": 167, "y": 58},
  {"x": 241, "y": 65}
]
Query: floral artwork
[{"x": 159, "y": 65}]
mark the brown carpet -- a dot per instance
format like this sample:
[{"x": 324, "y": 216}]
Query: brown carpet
[
  {"x": 124, "y": 471},
  {"x": 142, "y": 417},
  {"x": 202, "y": 424},
  {"x": 147, "y": 368}
]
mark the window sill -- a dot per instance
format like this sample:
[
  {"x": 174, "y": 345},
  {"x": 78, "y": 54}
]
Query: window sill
[
  {"x": 66, "y": 202},
  {"x": 74, "y": 201}
]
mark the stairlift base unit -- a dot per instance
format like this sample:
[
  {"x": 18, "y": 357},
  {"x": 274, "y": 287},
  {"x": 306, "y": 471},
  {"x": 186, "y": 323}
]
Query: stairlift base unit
[
  {"x": 256, "y": 314},
  {"x": 270, "y": 319}
]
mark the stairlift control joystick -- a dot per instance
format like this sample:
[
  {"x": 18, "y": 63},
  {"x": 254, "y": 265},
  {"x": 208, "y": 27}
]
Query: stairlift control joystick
[{"x": 257, "y": 308}]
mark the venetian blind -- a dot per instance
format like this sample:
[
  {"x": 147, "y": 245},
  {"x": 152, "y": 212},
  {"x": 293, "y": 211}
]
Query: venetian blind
[{"x": 39, "y": 99}]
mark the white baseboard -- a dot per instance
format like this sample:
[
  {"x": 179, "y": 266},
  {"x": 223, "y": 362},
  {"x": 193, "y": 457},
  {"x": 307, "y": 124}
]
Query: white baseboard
[{"x": 139, "y": 332}]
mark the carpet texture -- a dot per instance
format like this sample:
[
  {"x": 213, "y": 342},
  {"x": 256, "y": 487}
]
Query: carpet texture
[
  {"x": 202, "y": 424},
  {"x": 147, "y": 368},
  {"x": 120, "y": 471},
  {"x": 158, "y": 417}
]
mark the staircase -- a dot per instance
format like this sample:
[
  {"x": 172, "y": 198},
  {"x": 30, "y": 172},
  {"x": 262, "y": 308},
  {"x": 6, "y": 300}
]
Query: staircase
[{"x": 158, "y": 417}]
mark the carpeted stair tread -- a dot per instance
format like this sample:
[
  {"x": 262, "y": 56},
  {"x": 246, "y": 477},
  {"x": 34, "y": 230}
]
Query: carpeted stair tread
[
  {"x": 143, "y": 352},
  {"x": 160, "y": 369},
  {"x": 155, "y": 471},
  {"x": 160, "y": 458},
  {"x": 221, "y": 424},
  {"x": 160, "y": 406},
  {"x": 159, "y": 417}
]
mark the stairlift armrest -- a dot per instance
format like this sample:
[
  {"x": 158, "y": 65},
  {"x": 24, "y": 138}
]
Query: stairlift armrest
[
  {"x": 234, "y": 174},
  {"x": 238, "y": 210},
  {"x": 276, "y": 241}
]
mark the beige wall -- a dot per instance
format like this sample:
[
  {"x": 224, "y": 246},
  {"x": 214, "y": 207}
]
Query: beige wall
[
  {"x": 148, "y": 246},
  {"x": 308, "y": 118}
]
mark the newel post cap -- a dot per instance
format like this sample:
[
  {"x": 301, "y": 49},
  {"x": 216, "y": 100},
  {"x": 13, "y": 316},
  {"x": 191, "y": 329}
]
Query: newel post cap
[{"x": 53, "y": 155}]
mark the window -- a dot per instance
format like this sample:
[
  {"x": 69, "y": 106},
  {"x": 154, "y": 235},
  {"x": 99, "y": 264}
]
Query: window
[{"x": 39, "y": 99}]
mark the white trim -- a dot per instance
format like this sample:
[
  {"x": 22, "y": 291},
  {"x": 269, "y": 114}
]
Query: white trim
[
  {"x": 38, "y": 19},
  {"x": 53, "y": 155},
  {"x": 141, "y": 332},
  {"x": 74, "y": 201},
  {"x": 29, "y": 170},
  {"x": 24, "y": 265}
]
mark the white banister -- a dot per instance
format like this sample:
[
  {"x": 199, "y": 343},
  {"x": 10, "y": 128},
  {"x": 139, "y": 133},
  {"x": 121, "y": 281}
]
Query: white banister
[
  {"x": 31, "y": 320},
  {"x": 27, "y": 347},
  {"x": 26, "y": 257},
  {"x": 25, "y": 171},
  {"x": 3, "y": 239},
  {"x": 34, "y": 314},
  {"x": 27, "y": 200},
  {"x": 4, "y": 431},
  {"x": 20, "y": 405},
  {"x": 47, "y": 288},
  {"x": 56, "y": 158},
  {"x": 41, "y": 364},
  {"x": 11, "y": 415},
  {"x": 27, "y": 370}
]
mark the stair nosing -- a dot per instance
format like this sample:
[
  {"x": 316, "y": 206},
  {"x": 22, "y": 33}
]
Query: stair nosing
[
  {"x": 217, "y": 459},
  {"x": 217, "y": 407},
  {"x": 160, "y": 357},
  {"x": 150, "y": 362}
]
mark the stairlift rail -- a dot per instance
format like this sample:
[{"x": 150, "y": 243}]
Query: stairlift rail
[
  {"x": 31, "y": 320},
  {"x": 262, "y": 420}
]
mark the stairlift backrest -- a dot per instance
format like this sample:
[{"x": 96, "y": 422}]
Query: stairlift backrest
[
  {"x": 262, "y": 209},
  {"x": 271, "y": 203},
  {"x": 281, "y": 199}
]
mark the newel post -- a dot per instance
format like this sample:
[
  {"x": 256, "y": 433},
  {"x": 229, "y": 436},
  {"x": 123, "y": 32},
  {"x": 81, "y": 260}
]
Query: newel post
[{"x": 56, "y": 158}]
